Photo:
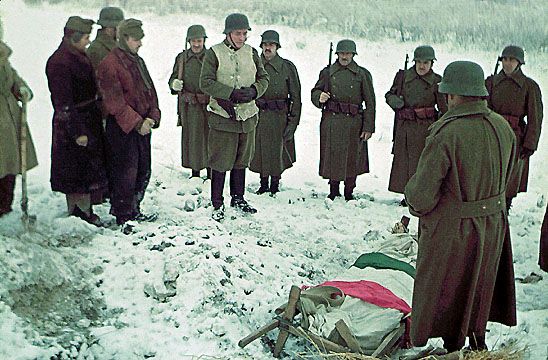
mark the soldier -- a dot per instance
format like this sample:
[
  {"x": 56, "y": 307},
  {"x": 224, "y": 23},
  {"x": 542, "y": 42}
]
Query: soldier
[
  {"x": 109, "y": 18},
  {"x": 12, "y": 89},
  {"x": 413, "y": 97},
  {"x": 346, "y": 126},
  {"x": 192, "y": 102},
  {"x": 458, "y": 193},
  {"x": 234, "y": 76},
  {"x": 516, "y": 97},
  {"x": 130, "y": 99},
  {"x": 280, "y": 111},
  {"x": 77, "y": 159}
]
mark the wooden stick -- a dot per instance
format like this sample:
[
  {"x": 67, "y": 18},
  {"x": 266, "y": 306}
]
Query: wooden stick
[
  {"x": 387, "y": 344},
  {"x": 347, "y": 336},
  {"x": 258, "y": 333},
  {"x": 289, "y": 313}
]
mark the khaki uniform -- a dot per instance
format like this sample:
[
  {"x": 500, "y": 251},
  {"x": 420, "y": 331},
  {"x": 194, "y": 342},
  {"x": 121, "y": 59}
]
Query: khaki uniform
[
  {"x": 342, "y": 153},
  {"x": 192, "y": 103},
  {"x": 458, "y": 192},
  {"x": 423, "y": 104},
  {"x": 279, "y": 106},
  {"x": 231, "y": 142},
  {"x": 519, "y": 100}
]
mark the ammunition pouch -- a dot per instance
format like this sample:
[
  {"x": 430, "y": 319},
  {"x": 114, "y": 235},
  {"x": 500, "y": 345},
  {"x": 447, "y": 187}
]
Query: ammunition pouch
[
  {"x": 272, "y": 105},
  {"x": 424, "y": 113},
  {"x": 198, "y": 98},
  {"x": 340, "y": 107}
]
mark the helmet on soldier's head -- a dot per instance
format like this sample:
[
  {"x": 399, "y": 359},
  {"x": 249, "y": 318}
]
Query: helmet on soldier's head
[
  {"x": 195, "y": 32},
  {"x": 271, "y": 36},
  {"x": 110, "y": 16},
  {"x": 513, "y": 51},
  {"x": 463, "y": 78},
  {"x": 424, "y": 53},
  {"x": 236, "y": 22},
  {"x": 346, "y": 45}
]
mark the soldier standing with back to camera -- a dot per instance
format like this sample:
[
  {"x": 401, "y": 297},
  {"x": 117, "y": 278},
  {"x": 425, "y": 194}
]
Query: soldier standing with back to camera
[
  {"x": 519, "y": 100},
  {"x": 109, "y": 18},
  {"x": 346, "y": 125},
  {"x": 234, "y": 76},
  {"x": 415, "y": 99},
  {"x": 192, "y": 102},
  {"x": 280, "y": 112}
]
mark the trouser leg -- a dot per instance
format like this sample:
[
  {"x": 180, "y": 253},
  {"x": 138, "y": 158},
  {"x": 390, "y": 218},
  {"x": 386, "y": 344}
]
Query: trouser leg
[
  {"x": 7, "y": 187},
  {"x": 275, "y": 184},
  {"x": 237, "y": 183},
  {"x": 195, "y": 173},
  {"x": 349, "y": 185}
]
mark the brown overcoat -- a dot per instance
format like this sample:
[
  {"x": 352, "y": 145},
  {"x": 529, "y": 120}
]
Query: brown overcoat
[
  {"x": 458, "y": 192},
  {"x": 10, "y": 119},
  {"x": 342, "y": 153},
  {"x": 418, "y": 92},
  {"x": 518, "y": 96}
]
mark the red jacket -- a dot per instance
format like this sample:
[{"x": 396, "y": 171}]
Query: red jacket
[{"x": 125, "y": 95}]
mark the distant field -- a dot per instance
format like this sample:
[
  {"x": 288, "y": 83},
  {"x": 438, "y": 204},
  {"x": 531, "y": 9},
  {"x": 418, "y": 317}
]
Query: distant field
[{"x": 481, "y": 24}]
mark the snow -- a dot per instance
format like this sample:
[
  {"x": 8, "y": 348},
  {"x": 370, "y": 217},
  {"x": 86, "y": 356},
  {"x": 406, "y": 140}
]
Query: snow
[{"x": 184, "y": 285}]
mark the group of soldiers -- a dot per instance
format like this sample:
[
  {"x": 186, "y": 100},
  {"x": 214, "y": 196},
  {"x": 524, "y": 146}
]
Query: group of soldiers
[{"x": 458, "y": 159}]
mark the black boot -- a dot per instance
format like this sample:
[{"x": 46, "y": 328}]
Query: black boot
[
  {"x": 264, "y": 185},
  {"x": 508, "y": 204},
  {"x": 239, "y": 203},
  {"x": 195, "y": 173},
  {"x": 275, "y": 184},
  {"x": 217, "y": 185},
  {"x": 403, "y": 202},
  {"x": 349, "y": 186},
  {"x": 477, "y": 342},
  {"x": 90, "y": 219},
  {"x": 7, "y": 186},
  {"x": 334, "y": 189},
  {"x": 208, "y": 173},
  {"x": 218, "y": 214},
  {"x": 452, "y": 345},
  {"x": 237, "y": 188}
]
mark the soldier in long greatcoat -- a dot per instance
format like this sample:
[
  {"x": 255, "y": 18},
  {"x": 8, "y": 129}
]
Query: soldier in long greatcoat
[
  {"x": 109, "y": 18},
  {"x": 12, "y": 89},
  {"x": 518, "y": 99},
  {"x": 77, "y": 159},
  {"x": 192, "y": 102},
  {"x": 341, "y": 92},
  {"x": 279, "y": 115},
  {"x": 415, "y": 99},
  {"x": 458, "y": 193}
]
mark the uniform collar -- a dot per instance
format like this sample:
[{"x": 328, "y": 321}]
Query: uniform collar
[
  {"x": 467, "y": 109},
  {"x": 276, "y": 62},
  {"x": 108, "y": 41},
  {"x": 517, "y": 76},
  {"x": 353, "y": 67},
  {"x": 199, "y": 56},
  {"x": 429, "y": 77}
]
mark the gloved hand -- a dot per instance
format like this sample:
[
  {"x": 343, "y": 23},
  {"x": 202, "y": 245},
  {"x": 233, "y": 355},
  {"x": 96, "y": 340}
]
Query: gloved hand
[
  {"x": 82, "y": 140},
  {"x": 525, "y": 153},
  {"x": 395, "y": 102},
  {"x": 227, "y": 106},
  {"x": 289, "y": 131},
  {"x": 177, "y": 85},
  {"x": 26, "y": 94},
  {"x": 148, "y": 123},
  {"x": 243, "y": 95}
]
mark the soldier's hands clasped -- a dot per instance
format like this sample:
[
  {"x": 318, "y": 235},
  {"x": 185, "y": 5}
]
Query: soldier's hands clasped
[
  {"x": 227, "y": 106},
  {"x": 148, "y": 123},
  {"x": 177, "y": 85},
  {"x": 243, "y": 95},
  {"x": 324, "y": 97}
]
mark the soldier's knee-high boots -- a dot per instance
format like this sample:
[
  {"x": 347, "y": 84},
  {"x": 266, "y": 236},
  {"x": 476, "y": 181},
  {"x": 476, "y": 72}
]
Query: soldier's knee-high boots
[
  {"x": 349, "y": 185},
  {"x": 217, "y": 185},
  {"x": 275, "y": 184},
  {"x": 7, "y": 186},
  {"x": 264, "y": 185},
  {"x": 237, "y": 189},
  {"x": 334, "y": 189}
]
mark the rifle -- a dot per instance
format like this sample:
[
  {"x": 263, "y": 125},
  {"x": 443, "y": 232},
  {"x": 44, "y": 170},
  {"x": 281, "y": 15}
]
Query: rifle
[
  {"x": 497, "y": 65},
  {"x": 399, "y": 91},
  {"x": 327, "y": 85},
  {"x": 180, "y": 74}
]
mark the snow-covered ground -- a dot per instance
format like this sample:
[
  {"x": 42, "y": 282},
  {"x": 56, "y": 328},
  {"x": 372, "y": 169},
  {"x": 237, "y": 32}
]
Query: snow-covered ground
[{"x": 186, "y": 286}]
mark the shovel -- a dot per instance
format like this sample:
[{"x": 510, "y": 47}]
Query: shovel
[{"x": 28, "y": 220}]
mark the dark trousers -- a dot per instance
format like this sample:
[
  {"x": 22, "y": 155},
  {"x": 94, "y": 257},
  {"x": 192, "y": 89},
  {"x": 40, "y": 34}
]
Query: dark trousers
[
  {"x": 129, "y": 169},
  {"x": 237, "y": 185},
  {"x": 7, "y": 186},
  {"x": 349, "y": 185}
]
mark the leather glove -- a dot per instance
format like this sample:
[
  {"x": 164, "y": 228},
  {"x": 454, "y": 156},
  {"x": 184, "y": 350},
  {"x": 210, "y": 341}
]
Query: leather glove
[
  {"x": 177, "y": 85},
  {"x": 227, "y": 106},
  {"x": 243, "y": 95},
  {"x": 289, "y": 131},
  {"x": 148, "y": 123},
  {"x": 525, "y": 153},
  {"x": 26, "y": 94},
  {"x": 395, "y": 102}
]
